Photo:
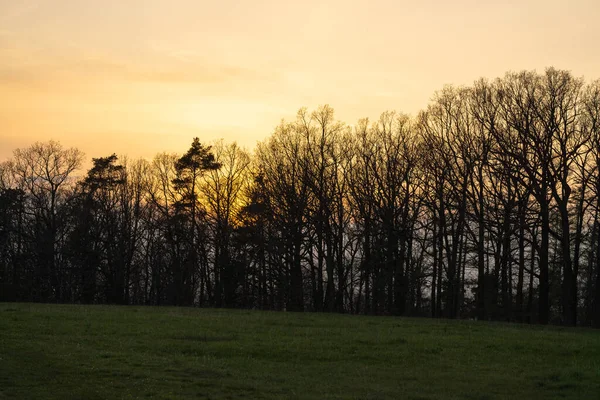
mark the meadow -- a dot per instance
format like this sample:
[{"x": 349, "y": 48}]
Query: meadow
[{"x": 127, "y": 352}]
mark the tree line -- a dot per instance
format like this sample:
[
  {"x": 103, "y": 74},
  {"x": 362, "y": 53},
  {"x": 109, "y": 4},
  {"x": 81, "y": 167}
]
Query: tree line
[{"x": 484, "y": 205}]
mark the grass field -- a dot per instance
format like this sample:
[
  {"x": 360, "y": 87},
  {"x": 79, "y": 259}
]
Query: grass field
[{"x": 105, "y": 352}]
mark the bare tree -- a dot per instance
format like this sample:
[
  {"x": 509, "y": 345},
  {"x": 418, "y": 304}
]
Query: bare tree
[
  {"x": 44, "y": 171},
  {"x": 223, "y": 191}
]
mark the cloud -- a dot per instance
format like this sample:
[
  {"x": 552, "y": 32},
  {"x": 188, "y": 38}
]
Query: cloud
[
  {"x": 9, "y": 75},
  {"x": 193, "y": 73},
  {"x": 23, "y": 66}
]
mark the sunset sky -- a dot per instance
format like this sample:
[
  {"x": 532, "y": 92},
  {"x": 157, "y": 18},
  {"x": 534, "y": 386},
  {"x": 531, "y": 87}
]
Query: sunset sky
[{"x": 141, "y": 76}]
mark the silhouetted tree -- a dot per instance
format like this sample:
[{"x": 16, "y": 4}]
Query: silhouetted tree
[{"x": 485, "y": 204}]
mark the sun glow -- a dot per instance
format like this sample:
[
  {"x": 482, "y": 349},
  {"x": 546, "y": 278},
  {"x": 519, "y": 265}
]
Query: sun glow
[{"x": 140, "y": 77}]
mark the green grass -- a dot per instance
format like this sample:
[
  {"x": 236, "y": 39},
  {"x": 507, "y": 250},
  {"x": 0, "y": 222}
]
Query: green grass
[{"x": 105, "y": 352}]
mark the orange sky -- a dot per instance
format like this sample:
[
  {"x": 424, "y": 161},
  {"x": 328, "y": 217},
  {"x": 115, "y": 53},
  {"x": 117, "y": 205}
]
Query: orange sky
[{"x": 141, "y": 76}]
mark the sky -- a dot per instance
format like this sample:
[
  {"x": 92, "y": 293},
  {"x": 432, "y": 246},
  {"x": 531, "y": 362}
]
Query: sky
[{"x": 138, "y": 77}]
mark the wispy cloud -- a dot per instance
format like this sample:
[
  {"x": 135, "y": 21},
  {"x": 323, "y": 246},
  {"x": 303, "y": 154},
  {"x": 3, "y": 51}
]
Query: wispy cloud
[{"x": 28, "y": 66}]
